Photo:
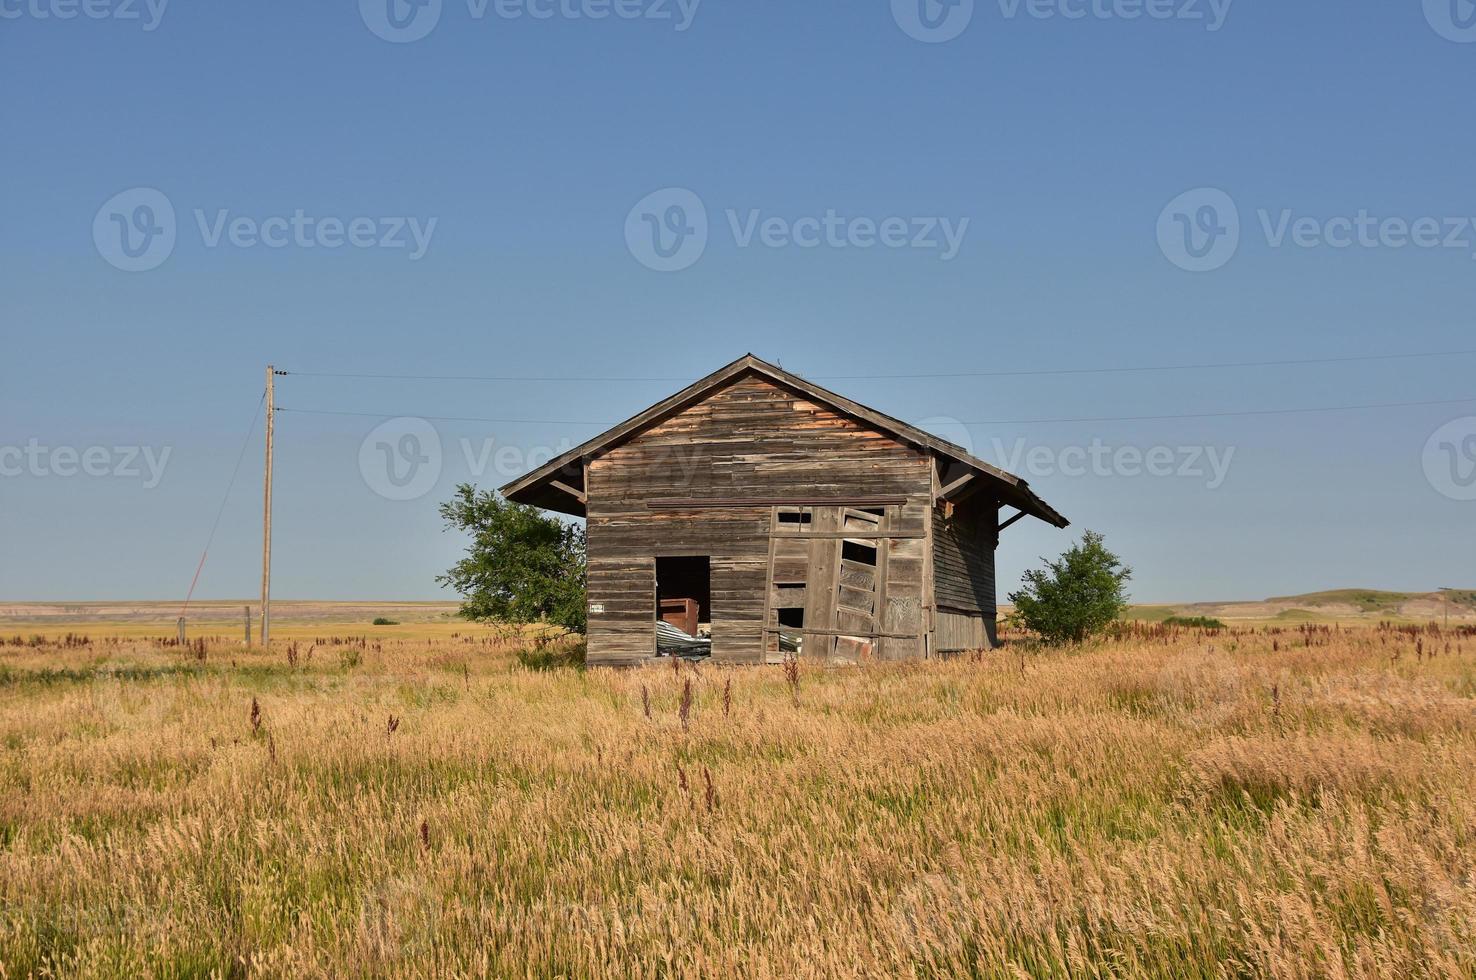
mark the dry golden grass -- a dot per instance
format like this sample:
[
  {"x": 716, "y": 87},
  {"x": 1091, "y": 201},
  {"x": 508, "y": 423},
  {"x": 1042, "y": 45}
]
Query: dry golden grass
[
  {"x": 1170, "y": 803},
  {"x": 291, "y": 619}
]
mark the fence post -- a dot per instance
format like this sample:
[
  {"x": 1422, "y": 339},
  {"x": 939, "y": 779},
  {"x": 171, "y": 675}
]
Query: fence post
[
  {"x": 248, "y": 624},
  {"x": 181, "y": 631}
]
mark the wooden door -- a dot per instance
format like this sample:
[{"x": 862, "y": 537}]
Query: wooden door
[{"x": 828, "y": 586}]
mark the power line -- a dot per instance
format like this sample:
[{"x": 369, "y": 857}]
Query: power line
[
  {"x": 1207, "y": 365},
  {"x": 223, "y": 500},
  {"x": 1045, "y": 421},
  {"x": 1043, "y": 372},
  {"x": 441, "y": 418},
  {"x": 472, "y": 377},
  {"x": 1227, "y": 415}
]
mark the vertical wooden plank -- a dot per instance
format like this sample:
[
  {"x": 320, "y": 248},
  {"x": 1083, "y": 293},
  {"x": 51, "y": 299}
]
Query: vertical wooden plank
[
  {"x": 883, "y": 550},
  {"x": 822, "y": 583},
  {"x": 737, "y": 610},
  {"x": 928, "y": 643},
  {"x": 771, "y": 619}
]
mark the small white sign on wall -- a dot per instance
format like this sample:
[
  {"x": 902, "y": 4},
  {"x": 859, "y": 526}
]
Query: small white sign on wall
[{"x": 596, "y": 607}]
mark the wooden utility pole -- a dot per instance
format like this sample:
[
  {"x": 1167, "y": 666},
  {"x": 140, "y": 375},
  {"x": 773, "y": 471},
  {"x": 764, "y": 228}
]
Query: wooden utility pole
[{"x": 266, "y": 520}]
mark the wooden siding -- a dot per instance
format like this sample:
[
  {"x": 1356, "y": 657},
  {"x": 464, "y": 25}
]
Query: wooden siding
[
  {"x": 963, "y": 558},
  {"x": 751, "y": 440},
  {"x": 958, "y": 631}
]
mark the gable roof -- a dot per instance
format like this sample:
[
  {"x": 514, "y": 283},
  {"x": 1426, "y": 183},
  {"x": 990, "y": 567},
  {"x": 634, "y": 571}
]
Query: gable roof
[{"x": 548, "y": 486}]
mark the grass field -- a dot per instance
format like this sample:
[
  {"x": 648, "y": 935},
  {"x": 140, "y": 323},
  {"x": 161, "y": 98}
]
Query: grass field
[
  {"x": 1175, "y": 803},
  {"x": 225, "y": 620}
]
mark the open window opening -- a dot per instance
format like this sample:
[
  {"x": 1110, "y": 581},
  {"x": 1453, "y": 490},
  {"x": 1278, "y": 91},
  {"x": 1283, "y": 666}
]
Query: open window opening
[
  {"x": 860, "y": 552},
  {"x": 790, "y": 637},
  {"x": 684, "y": 606},
  {"x": 795, "y": 518}
]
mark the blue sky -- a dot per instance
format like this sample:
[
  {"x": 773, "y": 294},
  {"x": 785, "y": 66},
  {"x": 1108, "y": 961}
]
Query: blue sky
[{"x": 519, "y": 147}]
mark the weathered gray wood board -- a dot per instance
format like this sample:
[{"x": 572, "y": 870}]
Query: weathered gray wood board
[
  {"x": 959, "y": 631},
  {"x": 963, "y": 568},
  {"x": 963, "y": 558}
]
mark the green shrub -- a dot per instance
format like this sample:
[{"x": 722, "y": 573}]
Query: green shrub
[
  {"x": 381, "y": 621},
  {"x": 1076, "y": 596},
  {"x": 1195, "y": 622},
  {"x": 522, "y": 565}
]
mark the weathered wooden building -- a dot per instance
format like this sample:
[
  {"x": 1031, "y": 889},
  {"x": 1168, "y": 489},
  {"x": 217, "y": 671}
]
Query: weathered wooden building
[{"x": 778, "y": 515}]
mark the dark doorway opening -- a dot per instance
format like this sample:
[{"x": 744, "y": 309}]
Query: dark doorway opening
[{"x": 684, "y": 592}]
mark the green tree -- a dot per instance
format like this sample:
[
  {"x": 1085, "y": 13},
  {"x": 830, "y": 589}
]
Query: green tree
[
  {"x": 522, "y": 565},
  {"x": 1076, "y": 596}
]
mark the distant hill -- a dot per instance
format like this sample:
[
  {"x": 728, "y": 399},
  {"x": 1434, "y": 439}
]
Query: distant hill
[{"x": 1334, "y": 605}]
